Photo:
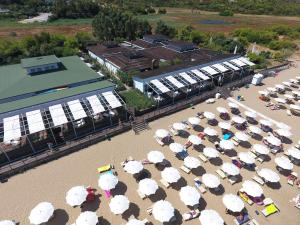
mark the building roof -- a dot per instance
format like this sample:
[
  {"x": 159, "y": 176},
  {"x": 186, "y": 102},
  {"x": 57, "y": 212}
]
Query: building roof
[
  {"x": 14, "y": 80},
  {"x": 39, "y": 61},
  {"x": 52, "y": 96}
]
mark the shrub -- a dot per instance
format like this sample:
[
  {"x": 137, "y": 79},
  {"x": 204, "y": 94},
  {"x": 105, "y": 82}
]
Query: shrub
[
  {"x": 278, "y": 45},
  {"x": 162, "y": 11},
  {"x": 226, "y": 12},
  {"x": 136, "y": 99}
]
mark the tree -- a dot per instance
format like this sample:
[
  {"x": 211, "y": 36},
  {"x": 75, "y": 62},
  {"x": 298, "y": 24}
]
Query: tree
[
  {"x": 164, "y": 29},
  {"x": 82, "y": 39}
]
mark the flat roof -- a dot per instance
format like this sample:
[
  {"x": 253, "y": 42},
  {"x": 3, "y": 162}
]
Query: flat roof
[
  {"x": 14, "y": 80},
  {"x": 39, "y": 61},
  {"x": 52, "y": 96}
]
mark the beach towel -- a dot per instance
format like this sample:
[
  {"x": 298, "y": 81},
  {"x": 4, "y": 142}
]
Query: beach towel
[{"x": 107, "y": 194}]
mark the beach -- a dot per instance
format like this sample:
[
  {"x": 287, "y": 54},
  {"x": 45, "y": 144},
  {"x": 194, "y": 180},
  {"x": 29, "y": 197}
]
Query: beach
[{"x": 51, "y": 181}]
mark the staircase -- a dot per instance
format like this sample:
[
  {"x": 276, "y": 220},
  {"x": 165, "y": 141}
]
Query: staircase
[{"x": 139, "y": 126}]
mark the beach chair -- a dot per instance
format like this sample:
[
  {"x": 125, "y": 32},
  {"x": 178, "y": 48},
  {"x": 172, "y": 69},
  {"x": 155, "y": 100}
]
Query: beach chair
[
  {"x": 185, "y": 169},
  {"x": 297, "y": 146},
  {"x": 269, "y": 210},
  {"x": 159, "y": 141},
  {"x": 182, "y": 155},
  {"x": 129, "y": 158},
  {"x": 105, "y": 168},
  {"x": 107, "y": 193},
  {"x": 191, "y": 215},
  {"x": 145, "y": 221},
  {"x": 174, "y": 132},
  {"x": 199, "y": 185},
  {"x": 188, "y": 144},
  {"x": 221, "y": 173},
  {"x": 164, "y": 183},
  {"x": 202, "y": 157},
  {"x": 258, "y": 180},
  {"x": 235, "y": 141},
  {"x": 239, "y": 221},
  {"x": 291, "y": 179},
  {"x": 232, "y": 180},
  {"x": 146, "y": 162},
  {"x": 201, "y": 135},
  {"x": 149, "y": 210},
  {"x": 186, "y": 123},
  {"x": 142, "y": 196},
  {"x": 245, "y": 197}
]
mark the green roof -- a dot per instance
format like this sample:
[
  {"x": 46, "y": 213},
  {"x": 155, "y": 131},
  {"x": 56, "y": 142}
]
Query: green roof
[
  {"x": 14, "y": 80},
  {"x": 52, "y": 96},
  {"x": 39, "y": 61}
]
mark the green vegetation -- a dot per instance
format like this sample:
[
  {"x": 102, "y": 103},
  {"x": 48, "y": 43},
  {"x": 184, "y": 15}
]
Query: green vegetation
[
  {"x": 164, "y": 29},
  {"x": 137, "y": 100},
  {"x": 126, "y": 77},
  {"x": 226, "y": 12}
]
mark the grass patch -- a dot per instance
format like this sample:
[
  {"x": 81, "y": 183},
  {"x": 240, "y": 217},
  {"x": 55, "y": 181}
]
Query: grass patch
[{"x": 136, "y": 99}]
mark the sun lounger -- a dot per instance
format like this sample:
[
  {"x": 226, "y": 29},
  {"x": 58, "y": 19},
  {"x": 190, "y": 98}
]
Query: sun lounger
[
  {"x": 129, "y": 158},
  {"x": 235, "y": 141},
  {"x": 201, "y": 135},
  {"x": 146, "y": 162},
  {"x": 188, "y": 144},
  {"x": 191, "y": 215},
  {"x": 239, "y": 221},
  {"x": 145, "y": 221},
  {"x": 187, "y": 125},
  {"x": 270, "y": 209},
  {"x": 174, "y": 132},
  {"x": 159, "y": 141},
  {"x": 202, "y": 157},
  {"x": 107, "y": 193},
  {"x": 245, "y": 197},
  {"x": 291, "y": 179},
  {"x": 142, "y": 196},
  {"x": 258, "y": 180},
  {"x": 221, "y": 173},
  {"x": 199, "y": 185},
  {"x": 185, "y": 169},
  {"x": 105, "y": 168},
  {"x": 165, "y": 183},
  {"x": 297, "y": 146},
  {"x": 182, "y": 155},
  {"x": 232, "y": 180},
  {"x": 149, "y": 210}
]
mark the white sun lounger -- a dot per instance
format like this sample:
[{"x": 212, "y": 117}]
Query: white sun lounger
[
  {"x": 165, "y": 183},
  {"x": 185, "y": 169},
  {"x": 142, "y": 196},
  {"x": 202, "y": 157},
  {"x": 159, "y": 141},
  {"x": 201, "y": 187},
  {"x": 221, "y": 173},
  {"x": 258, "y": 180}
]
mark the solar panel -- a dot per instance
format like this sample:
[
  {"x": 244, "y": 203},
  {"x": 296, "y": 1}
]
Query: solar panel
[
  {"x": 96, "y": 105},
  {"x": 247, "y": 61},
  {"x": 160, "y": 86},
  {"x": 112, "y": 100},
  {"x": 231, "y": 66},
  {"x": 200, "y": 75},
  {"x": 209, "y": 70},
  {"x": 220, "y": 67},
  {"x": 238, "y": 62},
  {"x": 188, "y": 78},
  {"x": 58, "y": 115},
  {"x": 35, "y": 121},
  {"x": 12, "y": 129},
  {"x": 77, "y": 109},
  {"x": 175, "y": 82}
]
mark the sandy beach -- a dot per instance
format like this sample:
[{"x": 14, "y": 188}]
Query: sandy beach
[{"x": 51, "y": 181}]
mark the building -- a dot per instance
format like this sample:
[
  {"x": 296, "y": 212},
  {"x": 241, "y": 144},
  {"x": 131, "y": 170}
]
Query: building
[{"x": 49, "y": 100}]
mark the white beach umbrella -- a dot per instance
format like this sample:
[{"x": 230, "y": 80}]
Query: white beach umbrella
[
  {"x": 233, "y": 202},
  {"x": 246, "y": 157},
  {"x": 269, "y": 175},
  {"x": 289, "y": 96},
  {"x": 119, "y": 204},
  {"x": 107, "y": 181},
  {"x": 283, "y": 126},
  {"x": 295, "y": 107},
  {"x": 41, "y": 213},
  {"x": 191, "y": 162},
  {"x": 284, "y": 163},
  {"x": 210, "y": 131},
  {"x": 176, "y": 147},
  {"x": 76, "y": 196},
  {"x": 163, "y": 211},
  {"x": 230, "y": 169},
  {"x": 250, "y": 114},
  {"x": 155, "y": 156},
  {"x": 194, "y": 120},
  {"x": 233, "y": 105},
  {"x": 255, "y": 130},
  {"x": 133, "y": 167},
  {"x": 224, "y": 125},
  {"x": 135, "y": 222},
  {"x": 161, "y": 133},
  {"x": 238, "y": 119},
  {"x": 194, "y": 139},
  {"x": 295, "y": 153},
  {"x": 273, "y": 140},
  {"x": 293, "y": 81},
  {"x": 7, "y": 222},
  {"x": 271, "y": 89},
  {"x": 279, "y": 86},
  {"x": 284, "y": 133},
  {"x": 241, "y": 136},
  {"x": 189, "y": 195},
  {"x": 222, "y": 110},
  {"x": 252, "y": 188},
  {"x": 210, "y": 180},
  {"x": 261, "y": 149},
  {"x": 170, "y": 174},
  {"x": 209, "y": 115},
  {"x": 179, "y": 126},
  {"x": 87, "y": 218},
  {"x": 280, "y": 100},
  {"x": 288, "y": 84},
  {"x": 267, "y": 123},
  {"x": 226, "y": 144},
  {"x": 298, "y": 78},
  {"x": 297, "y": 93},
  {"x": 210, "y": 217},
  {"x": 265, "y": 93},
  {"x": 148, "y": 186},
  {"x": 210, "y": 152}
]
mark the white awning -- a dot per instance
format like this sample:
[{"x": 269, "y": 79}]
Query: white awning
[
  {"x": 188, "y": 78},
  {"x": 11, "y": 127},
  {"x": 247, "y": 61},
  {"x": 238, "y": 62},
  {"x": 35, "y": 121},
  {"x": 200, "y": 75},
  {"x": 175, "y": 82},
  {"x": 231, "y": 66},
  {"x": 96, "y": 105},
  {"x": 112, "y": 100},
  {"x": 160, "y": 86},
  {"x": 209, "y": 70},
  {"x": 220, "y": 67},
  {"x": 77, "y": 109},
  {"x": 58, "y": 115}
]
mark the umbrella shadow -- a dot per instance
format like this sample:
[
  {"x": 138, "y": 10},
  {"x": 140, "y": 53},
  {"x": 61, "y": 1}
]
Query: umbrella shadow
[
  {"x": 142, "y": 175},
  {"x": 217, "y": 191},
  {"x": 252, "y": 121},
  {"x": 213, "y": 122},
  {"x": 91, "y": 206},
  {"x": 61, "y": 217},
  {"x": 103, "y": 221},
  {"x": 199, "y": 171},
  {"x": 178, "y": 219},
  {"x": 120, "y": 189},
  {"x": 160, "y": 194},
  {"x": 202, "y": 204},
  {"x": 163, "y": 165},
  {"x": 216, "y": 161},
  {"x": 198, "y": 128},
  {"x": 179, "y": 184},
  {"x": 287, "y": 140},
  {"x": 245, "y": 144},
  {"x": 132, "y": 210},
  {"x": 199, "y": 148},
  {"x": 257, "y": 137},
  {"x": 274, "y": 186},
  {"x": 231, "y": 153},
  {"x": 184, "y": 134}
]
